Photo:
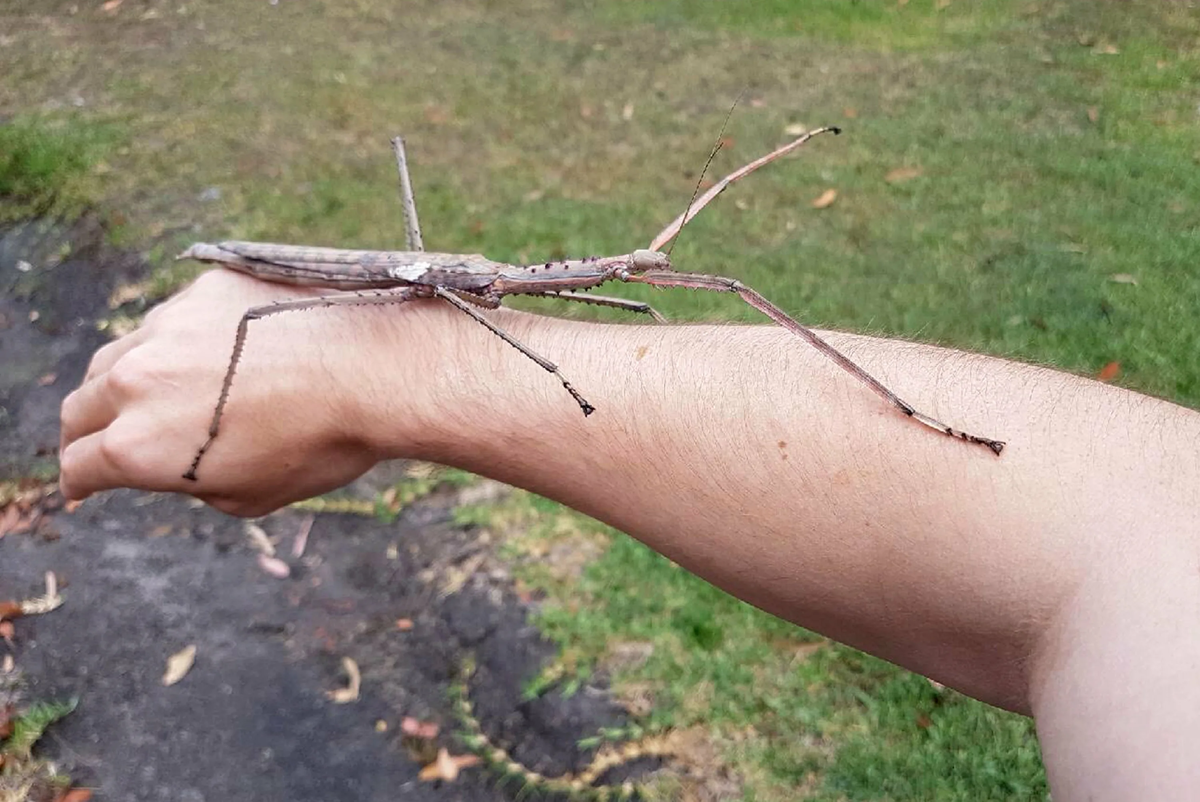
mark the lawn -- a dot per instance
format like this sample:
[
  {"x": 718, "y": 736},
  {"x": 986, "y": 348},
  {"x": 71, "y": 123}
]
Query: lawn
[{"x": 1018, "y": 178}]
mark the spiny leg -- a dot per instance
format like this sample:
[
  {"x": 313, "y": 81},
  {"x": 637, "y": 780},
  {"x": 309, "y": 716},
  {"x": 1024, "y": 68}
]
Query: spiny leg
[
  {"x": 412, "y": 226},
  {"x": 349, "y": 299},
  {"x": 605, "y": 300},
  {"x": 702, "y": 282},
  {"x": 544, "y": 363}
]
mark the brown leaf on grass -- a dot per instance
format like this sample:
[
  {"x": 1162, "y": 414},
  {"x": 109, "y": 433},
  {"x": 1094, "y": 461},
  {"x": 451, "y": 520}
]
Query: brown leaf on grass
[
  {"x": 796, "y": 129},
  {"x": 902, "y": 174},
  {"x": 850, "y": 112},
  {"x": 1109, "y": 372},
  {"x": 126, "y": 293},
  {"x": 179, "y": 664},
  {"x": 344, "y": 696},
  {"x": 446, "y": 767},
  {"x": 10, "y": 516},
  {"x": 1093, "y": 113},
  {"x": 1123, "y": 278},
  {"x": 415, "y": 728},
  {"x": 436, "y": 114},
  {"x": 825, "y": 200},
  {"x": 1106, "y": 49},
  {"x": 7, "y": 714},
  {"x": 627, "y": 112}
]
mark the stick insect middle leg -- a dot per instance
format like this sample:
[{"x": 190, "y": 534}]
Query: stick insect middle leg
[
  {"x": 699, "y": 281},
  {"x": 604, "y": 300},
  {"x": 457, "y": 301}
]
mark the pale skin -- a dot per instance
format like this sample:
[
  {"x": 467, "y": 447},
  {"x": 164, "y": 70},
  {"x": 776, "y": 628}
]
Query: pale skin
[{"x": 1060, "y": 580}]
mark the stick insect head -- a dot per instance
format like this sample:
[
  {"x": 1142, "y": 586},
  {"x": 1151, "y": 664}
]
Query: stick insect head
[{"x": 644, "y": 260}]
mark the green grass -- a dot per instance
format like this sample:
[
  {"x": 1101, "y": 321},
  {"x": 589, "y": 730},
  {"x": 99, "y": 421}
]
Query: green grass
[
  {"x": 44, "y": 163},
  {"x": 788, "y": 709},
  {"x": 1057, "y": 144}
]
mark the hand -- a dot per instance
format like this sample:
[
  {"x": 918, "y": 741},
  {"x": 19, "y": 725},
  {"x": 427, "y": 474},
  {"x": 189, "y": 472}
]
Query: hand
[{"x": 292, "y": 425}]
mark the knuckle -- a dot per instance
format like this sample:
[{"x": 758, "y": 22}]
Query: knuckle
[
  {"x": 120, "y": 450},
  {"x": 129, "y": 375}
]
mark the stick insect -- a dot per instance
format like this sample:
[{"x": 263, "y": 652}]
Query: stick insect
[{"x": 470, "y": 282}]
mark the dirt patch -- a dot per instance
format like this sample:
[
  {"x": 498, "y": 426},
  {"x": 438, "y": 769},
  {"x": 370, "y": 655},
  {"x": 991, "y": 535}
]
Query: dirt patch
[{"x": 146, "y": 575}]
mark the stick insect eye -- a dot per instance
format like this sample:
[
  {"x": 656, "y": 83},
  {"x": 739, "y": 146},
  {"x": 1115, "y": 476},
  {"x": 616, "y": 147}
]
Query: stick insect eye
[{"x": 650, "y": 260}]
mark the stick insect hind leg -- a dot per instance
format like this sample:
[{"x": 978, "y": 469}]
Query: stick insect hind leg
[{"x": 699, "y": 281}]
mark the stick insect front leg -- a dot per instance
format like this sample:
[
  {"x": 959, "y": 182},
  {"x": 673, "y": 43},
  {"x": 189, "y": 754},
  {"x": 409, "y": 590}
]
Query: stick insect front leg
[
  {"x": 699, "y": 281},
  {"x": 390, "y": 296}
]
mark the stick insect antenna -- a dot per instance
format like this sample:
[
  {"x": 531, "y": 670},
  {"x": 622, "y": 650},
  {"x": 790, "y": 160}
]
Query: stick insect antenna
[{"x": 712, "y": 155}]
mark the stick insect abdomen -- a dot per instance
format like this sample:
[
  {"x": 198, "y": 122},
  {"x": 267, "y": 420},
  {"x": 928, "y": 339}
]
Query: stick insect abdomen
[
  {"x": 571, "y": 274},
  {"x": 348, "y": 269}
]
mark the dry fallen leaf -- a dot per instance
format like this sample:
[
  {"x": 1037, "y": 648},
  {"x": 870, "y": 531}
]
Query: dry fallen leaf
[
  {"x": 179, "y": 664},
  {"x": 796, "y": 129},
  {"x": 46, "y": 603},
  {"x": 627, "y": 112},
  {"x": 343, "y": 696},
  {"x": 447, "y": 767},
  {"x": 300, "y": 543},
  {"x": 1106, "y": 49},
  {"x": 259, "y": 539},
  {"x": 1123, "y": 278},
  {"x": 902, "y": 174},
  {"x": 126, "y": 293},
  {"x": 415, "y": 728},
  {"x": 10, "y": 518},
  {"x": 435, "y": 114},
  {"x": 825, "y": 200},
  {"x": 1093, "y": 113},
  {"x": 1109, "y": 371},
  {"x": 274, "y": 566},
  {"x": 850, "y": 112}
]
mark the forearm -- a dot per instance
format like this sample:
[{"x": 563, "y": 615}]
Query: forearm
[{"x": 756, "y": 463}]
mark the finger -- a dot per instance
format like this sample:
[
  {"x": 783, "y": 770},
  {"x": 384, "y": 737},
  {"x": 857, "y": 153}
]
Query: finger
[
  {"x": 84, "y": 468},
  {"x": 90, "y": 408}
]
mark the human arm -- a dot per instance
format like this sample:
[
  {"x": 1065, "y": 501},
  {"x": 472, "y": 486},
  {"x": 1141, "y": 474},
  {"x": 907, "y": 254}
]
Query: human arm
[{"x": 1061, "y": 579}]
